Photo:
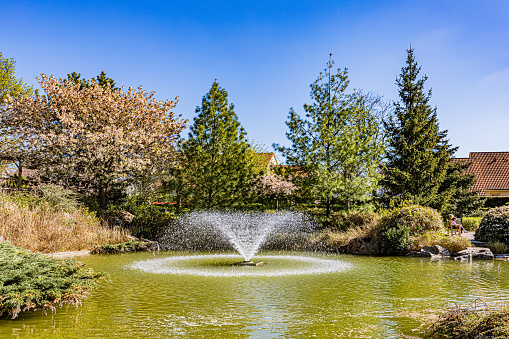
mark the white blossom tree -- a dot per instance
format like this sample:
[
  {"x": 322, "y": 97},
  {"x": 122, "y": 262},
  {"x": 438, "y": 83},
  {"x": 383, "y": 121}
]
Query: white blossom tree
[{"x": 92, "y": 135}]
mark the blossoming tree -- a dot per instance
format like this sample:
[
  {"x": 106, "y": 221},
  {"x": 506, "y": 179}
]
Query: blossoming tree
[
  {"x": 275, "y": 186},
  {"x": 91, "y": 135}
]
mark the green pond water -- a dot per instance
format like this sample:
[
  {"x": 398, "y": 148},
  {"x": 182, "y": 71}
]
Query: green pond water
[{"x": 294, "y": 295}]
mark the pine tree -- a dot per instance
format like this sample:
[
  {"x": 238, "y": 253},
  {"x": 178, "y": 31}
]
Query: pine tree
[
  {"x": 336, "y": 145},
  {"x": 418, "y": 153},
  {"x": 217, "y": 162}
]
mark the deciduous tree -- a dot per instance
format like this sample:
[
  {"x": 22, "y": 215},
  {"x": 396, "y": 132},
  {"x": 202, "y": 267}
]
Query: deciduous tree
[
  {"x": 92, "y": 135},
  {"x": 10, "y": 86}
]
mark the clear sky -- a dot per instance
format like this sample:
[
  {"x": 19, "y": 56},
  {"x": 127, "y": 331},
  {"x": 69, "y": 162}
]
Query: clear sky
[{"x": 266, "y": 53}]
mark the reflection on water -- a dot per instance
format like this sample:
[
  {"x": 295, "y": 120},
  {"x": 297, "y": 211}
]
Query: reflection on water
[{"x": 375, "y": 297}]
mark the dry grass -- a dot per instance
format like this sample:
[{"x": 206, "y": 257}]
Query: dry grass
[
  {"x": 47, "y": 230},
  {"x": 479, "y": 320},
  {"x": 452, "y": 244}
]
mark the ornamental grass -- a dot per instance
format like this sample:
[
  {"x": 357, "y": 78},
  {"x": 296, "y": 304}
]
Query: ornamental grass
[
  {"x": 41, "y": 228},
  {"x": 478, "y": 320},
  {"x": 31, "y": 281}
]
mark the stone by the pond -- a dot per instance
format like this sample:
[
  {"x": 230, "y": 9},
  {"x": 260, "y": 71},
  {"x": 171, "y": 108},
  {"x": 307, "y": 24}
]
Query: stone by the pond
[
  {"x": 476, "y": 253},
  {"x": 357, "y": 246},
  {"x": 434, "y": 252}
]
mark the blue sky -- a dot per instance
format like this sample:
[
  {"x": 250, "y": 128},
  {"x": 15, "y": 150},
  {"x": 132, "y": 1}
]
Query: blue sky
[{"x": 266, "y": 53}]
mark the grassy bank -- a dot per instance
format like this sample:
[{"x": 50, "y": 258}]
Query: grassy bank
[
  {"x": 31, "y": 281},
  {"x": 42, "y": 225}
]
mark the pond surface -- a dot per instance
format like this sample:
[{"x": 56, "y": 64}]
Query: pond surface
[{"x": 294, "y": 295}]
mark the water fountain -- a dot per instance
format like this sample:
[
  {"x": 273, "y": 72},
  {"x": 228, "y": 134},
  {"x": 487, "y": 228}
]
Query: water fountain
[{"x": 246, "y": 233}]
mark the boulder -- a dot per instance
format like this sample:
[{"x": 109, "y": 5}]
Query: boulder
[
  {"x": 476, "y": 253},
  {"x": 433, "y": 252},
  {"x": 126, "y": 216},
  {"x": 437, "y": 250},
  {"x": 357, "y": 246}
]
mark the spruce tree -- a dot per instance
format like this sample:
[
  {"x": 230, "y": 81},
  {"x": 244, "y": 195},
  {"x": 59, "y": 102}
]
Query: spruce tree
[
  {"x": 418, "y": 153},
  {"x": 217, "y": 161},
  {"x": 463, "y": 201}
]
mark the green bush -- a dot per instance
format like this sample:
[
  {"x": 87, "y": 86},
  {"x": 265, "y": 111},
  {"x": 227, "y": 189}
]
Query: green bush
[
  {"x": 497, "y": 247},
  {"x": 59, "y": 198},
  {"x": 397, "y": 226},
  {"x": 150, "y": 220},
  {"x": 471, "y": 223},
  {"x": 32, "y": 281},
  {"x": 494, "y": 226}
]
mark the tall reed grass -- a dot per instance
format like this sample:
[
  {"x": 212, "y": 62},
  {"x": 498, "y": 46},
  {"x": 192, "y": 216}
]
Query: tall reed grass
[{"x": 43, "y": 228}]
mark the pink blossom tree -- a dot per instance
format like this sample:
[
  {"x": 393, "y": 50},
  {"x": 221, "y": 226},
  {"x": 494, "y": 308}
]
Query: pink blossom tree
[
  {"x": 274, "y": 186},
  {"x": 92, "y": 135}
]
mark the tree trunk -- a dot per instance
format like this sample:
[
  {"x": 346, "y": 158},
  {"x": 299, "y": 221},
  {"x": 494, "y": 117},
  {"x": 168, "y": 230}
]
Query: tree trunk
[
  {"x": 102, "y": 196},
  {"x": 328, "y": 208},
  {"x": 20, "y": 173}
]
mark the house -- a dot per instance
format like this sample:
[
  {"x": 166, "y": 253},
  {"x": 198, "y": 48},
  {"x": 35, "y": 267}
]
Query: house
[
  {"x": 491, "y": 170},
  {"x": 265, "y": 162}
]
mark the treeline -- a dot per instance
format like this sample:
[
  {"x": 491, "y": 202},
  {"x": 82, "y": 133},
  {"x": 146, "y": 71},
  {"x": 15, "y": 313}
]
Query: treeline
[{"x": 350, "y": 151}]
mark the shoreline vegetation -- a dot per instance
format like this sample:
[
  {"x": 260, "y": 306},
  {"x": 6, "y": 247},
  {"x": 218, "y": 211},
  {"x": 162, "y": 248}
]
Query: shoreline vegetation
[{"x": 31, "y": 281}]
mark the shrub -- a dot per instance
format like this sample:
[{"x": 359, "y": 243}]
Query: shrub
[
  {"x": 471, "y": 223},
  {"x": 150, "y": 220},
  {"x": 497, "y": 247},
  {"x": 452, "y": 244},
  {"x": 59, "y": 198},
  {"x": 494, "y": 226},
  {"x": 32, "y": 281},
  {"x": 398, "y": 225}
]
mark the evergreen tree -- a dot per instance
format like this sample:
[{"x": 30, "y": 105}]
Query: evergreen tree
[
  {"x": 418, "y": 153},
  {"x": 463, "y": 201},
  {"x": 217, "y": 165},
  {"x": 101, "y": 79},
  {"x": 337, "y": 144}
]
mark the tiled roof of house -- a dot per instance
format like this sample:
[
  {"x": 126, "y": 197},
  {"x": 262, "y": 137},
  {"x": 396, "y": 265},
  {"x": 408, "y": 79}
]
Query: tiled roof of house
[{"x": 491, "y": 170}]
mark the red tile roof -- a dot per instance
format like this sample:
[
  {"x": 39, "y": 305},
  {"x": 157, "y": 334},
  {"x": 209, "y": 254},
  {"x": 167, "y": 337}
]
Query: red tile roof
[{"x": 491, "y": 170}]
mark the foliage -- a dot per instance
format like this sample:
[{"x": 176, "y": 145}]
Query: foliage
[
  {"x": 30, "y": 281},
  {"x": 477, "y": 321},
  {"x": 452, "y": 244},
  {"x": 497, "y": 247},
  {"x": 418, "y": 153},
  {"x": 463, "y": 201},
  {"x": 59, "y": 198},
  {"x": 32, "y": 223},
  {"x": 471, "y": 223},
  {"x": 101, "y": 79},
  {"x": 398, "y": 225},
  {"x": 338, "y": 145},
  {"x": 92, "y": 136},
  {"x": 150, "y": 220},
  {"x": 11, "y": 87},
  {"x": 274, "y": 187},
  {"x": 494, "y": 226},
  {"x": 216, "y": 165}
]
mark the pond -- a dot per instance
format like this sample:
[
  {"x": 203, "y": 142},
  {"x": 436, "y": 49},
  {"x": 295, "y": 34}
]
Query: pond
[{"x": 294, "y": 295}]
